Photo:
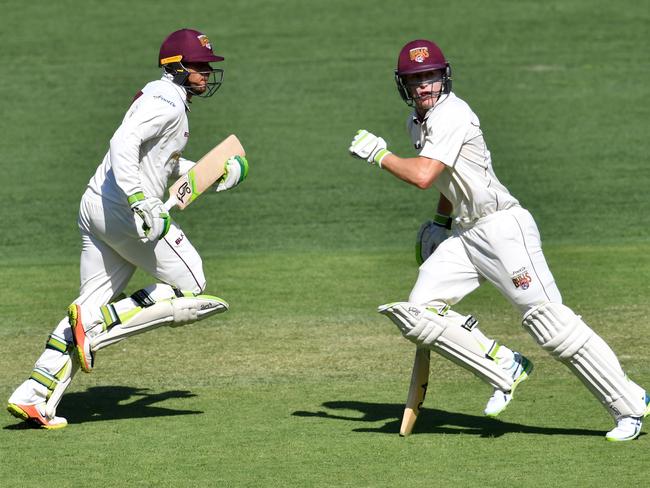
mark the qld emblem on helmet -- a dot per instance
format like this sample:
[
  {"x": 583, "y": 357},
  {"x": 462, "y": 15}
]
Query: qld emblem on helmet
[
  {"x": 419, "y": 57},
  {"x": 185, "y": 51}
]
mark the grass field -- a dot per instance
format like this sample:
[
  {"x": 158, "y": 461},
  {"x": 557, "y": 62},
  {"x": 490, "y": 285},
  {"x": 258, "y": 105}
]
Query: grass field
[{"x": 302, "y": 383}]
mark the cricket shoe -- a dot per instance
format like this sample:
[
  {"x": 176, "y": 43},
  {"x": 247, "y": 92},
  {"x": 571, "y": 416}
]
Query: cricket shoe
[
  {"x": 81, "y": 341},
  {"x": 628, "y": 428},
  {"x": 35, "y": 415},
  {"x": 521, "y": 369}
]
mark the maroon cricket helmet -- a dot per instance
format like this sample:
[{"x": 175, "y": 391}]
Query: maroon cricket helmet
[
  {"x": 187, "y": 45},
  {"x": 190, "y": 46},
  {"x": 420, "y": 56}
]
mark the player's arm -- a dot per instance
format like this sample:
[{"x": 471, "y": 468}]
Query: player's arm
[
  {"x": 152, "y": 119},
  {"x": 149, "y": 121},
  {"x": 419, "y": 171}
]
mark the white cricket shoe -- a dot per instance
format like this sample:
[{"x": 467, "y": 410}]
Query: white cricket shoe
[
  {"x": 521, "y": 369},
  {"x": 628, "y": 428}
]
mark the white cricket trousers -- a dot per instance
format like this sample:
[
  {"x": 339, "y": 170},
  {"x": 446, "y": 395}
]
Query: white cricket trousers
[
  {"x": 503, "y": 248},
  {"x": 111, "y": 251}
]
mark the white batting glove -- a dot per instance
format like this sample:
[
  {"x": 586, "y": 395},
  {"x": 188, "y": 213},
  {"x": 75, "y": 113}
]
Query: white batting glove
[
  {"x": 236, "y": 172},
  {"x": 430, "y": 235},
  {"x": 151, "y": 217},
  {"x": 368, "y": 146}
]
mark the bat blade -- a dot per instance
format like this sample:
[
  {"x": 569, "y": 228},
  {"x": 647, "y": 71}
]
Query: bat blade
[
  {"x": 205, "y": 172},
  {"x": 417, "y": 390}
]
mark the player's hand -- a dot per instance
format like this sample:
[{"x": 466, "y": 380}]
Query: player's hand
[
  {"x": 368, "y": 146},
  {"x": 236, "y": 172},
  {"x": 151, "y": 217},
  {"x": 430, "y": 235}
]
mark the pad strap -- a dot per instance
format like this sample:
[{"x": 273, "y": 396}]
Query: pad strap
[{"x": 449, "y": 334}]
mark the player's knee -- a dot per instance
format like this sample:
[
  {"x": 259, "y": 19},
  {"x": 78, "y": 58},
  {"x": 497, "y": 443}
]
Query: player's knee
[
  {"x": 557, "y": 329},
  {"x": 417, "y": 323},
  {"x": 193, "y": 283}
]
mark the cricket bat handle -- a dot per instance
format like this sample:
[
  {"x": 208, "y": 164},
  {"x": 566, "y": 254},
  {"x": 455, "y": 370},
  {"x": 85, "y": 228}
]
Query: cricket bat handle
[{"x": 170, "y": 203}]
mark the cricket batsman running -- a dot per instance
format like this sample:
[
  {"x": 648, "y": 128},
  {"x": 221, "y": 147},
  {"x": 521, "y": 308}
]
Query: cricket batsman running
[
  {"x": 492, "y": 238},
  {"x": 124, "y": 225}
]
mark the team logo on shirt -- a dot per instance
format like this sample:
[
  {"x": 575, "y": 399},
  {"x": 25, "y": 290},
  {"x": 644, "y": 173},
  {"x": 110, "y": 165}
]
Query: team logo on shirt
[
  {"x": 521, "y": 278},
  {"x": 419, "y": 54},
  {"x": 205, "y": 42}
]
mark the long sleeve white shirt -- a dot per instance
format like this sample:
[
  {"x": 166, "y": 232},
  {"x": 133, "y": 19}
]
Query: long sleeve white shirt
[{"x": 145, "y": 150}]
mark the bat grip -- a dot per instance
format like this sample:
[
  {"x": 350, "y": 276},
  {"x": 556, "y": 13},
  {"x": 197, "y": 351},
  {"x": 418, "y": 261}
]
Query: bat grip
[{"x": 170, "y": 203}]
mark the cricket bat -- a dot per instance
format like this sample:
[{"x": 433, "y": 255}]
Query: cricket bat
[
  {"x": 417, "y": 390},
  {"x": 205, "y": 172}
]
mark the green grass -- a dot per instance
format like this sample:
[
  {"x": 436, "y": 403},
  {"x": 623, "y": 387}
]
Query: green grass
[{"x": 302, "y": 383}]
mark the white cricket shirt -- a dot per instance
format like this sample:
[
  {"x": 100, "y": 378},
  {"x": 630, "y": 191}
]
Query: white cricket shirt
[
  {"x": 451, "y": 133},
  {"x": 145, "y": 150}
]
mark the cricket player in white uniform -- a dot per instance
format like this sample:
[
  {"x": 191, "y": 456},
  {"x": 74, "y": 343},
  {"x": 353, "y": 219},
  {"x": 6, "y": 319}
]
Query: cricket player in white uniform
[
  {"x": 492, "y": 238},
  {"x": 124, "y": 226}
]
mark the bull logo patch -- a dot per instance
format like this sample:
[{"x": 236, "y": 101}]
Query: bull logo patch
[
  {"x": 419, "y": 54},
  {"x": 521, "y": 279},
  {"x": 205, "y": 42}
]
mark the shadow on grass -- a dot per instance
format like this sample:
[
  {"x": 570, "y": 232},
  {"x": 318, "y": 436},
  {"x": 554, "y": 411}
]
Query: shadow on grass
[
  {"x": 433, "y": 421},
  {"x": 114, "y": 403}
]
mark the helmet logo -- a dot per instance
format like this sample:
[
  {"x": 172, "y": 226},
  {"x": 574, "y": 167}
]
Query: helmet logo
[
  {"x": 205, "y": 42},
  {"x": 419, "y": 54}
]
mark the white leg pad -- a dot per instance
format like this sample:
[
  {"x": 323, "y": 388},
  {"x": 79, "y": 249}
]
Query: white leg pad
[
  {"x": 52, "y": 374},
  {"x": 65, "y": 379},
  {"x": 564, "y": 334},
  {"x": 449, "y": 334},
  {"x": 173, "y": 312}
]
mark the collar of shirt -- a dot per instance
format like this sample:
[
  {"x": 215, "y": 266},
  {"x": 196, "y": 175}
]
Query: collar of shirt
[{"x": 182, "y": 92}]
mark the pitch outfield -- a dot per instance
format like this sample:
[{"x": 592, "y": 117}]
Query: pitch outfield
[{"x": 302, "y": 383}]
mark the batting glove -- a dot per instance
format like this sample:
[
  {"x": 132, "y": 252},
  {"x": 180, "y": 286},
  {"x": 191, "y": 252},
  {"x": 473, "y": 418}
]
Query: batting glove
[
  {"x": 154, "y": 220},
  {"x": 368, "y": 146},
  {"x": 236, "y": 172},
  {"x": 430, "y": 236}
]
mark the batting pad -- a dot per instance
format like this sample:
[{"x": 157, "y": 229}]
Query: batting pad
[
  {"x": 449, "y": 334},
  {"x": 173, "y": 312},
  {"x": 563, "y": 334}
]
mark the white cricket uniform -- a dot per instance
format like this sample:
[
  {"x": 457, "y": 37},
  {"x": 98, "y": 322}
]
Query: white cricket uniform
[
  {"x": 144, "y": 153},
  {"x": 493, "y": 237}
]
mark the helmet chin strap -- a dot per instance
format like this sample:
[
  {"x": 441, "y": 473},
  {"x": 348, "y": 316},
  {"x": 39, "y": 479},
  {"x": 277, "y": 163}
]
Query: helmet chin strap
[{"x": 177, "y": 73}]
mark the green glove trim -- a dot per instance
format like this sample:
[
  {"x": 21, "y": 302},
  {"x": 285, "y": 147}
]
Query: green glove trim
[
  {"x": 168, "y": 223},
  {"x": 380, "y": 156},
  {"x": 136, "y": 197},
  {"x": 243, "y": 162},
  {"x": 442, "y": 220}
]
